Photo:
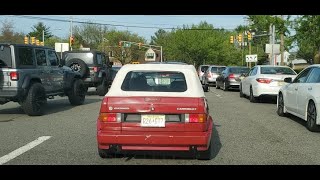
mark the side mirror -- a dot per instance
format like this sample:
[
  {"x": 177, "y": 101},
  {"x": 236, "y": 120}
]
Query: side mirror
[{"x": 288, "y": 80}]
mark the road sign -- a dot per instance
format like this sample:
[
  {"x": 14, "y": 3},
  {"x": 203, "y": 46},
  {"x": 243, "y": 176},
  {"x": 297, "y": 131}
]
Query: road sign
[
  {"x": 252, "y": 58},
  {"x": 275, "y": 47},
  {"x": 126, "y": 44}
]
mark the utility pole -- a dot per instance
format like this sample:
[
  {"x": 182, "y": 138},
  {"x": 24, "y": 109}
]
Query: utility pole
[
  {"x": 71, "y": 27},
  {"x": 282, "y": 45},
  {"x": 270, "y": 42},
  {"x": 43, "y": 37}
]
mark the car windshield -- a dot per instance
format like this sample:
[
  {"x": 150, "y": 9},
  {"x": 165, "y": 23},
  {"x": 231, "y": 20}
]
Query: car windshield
[
  {"x": 239, "y": 70},
  {"x": 277, "y": 70},
  {"x": 217, "y": 69},
  {"x": 116, "y": 68},
  {"x": 204, "y": 68},
  {"x": 164, "y": 81}
]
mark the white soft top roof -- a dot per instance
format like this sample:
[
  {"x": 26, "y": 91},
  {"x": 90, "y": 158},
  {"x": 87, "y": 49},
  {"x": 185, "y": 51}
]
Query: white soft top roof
[{"x": 194, "y": 87}]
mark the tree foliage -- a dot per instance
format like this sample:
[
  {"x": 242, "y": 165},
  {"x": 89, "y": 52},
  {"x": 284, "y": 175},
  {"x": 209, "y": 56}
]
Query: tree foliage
[
  {"x": 8, "y": 35},
  {"x": 38, "y": 30}
]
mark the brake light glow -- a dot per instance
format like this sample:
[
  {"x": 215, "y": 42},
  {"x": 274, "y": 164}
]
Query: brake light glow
[
  {"x": 14, "y": 76},
  {"x": 195, "y": 118},
  {"x": 110, "y": 117},
  {"x": 95, "y": 69},
  {"x": 264, "y": 80},
  {"x": 231, "y": 76}
]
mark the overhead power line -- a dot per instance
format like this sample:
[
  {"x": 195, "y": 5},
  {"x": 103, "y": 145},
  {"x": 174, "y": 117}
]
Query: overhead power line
[{"x": 109, "y": 24}]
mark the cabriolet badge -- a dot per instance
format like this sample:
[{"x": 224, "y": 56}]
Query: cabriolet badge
[{"x": 183, "y": 109}]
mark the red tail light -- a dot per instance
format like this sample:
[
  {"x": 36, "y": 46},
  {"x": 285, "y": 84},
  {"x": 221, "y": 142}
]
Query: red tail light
[
  {"x": 95, "y": 69},
  {"x": 264, "y": 80},
  {"x": 110, "y": 117},
  {"x": 14, "y": 76},
  {"x": 231, "y": 76},
  {"x": 195, "y": 118}
]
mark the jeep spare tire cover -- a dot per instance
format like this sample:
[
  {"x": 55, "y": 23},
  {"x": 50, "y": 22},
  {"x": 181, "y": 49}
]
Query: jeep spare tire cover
[{"x": 78, "y": 65}]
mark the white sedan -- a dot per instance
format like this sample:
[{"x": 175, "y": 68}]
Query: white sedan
[
  {"x": 301, "y": 97},
  {"x": 264, "y": 80}
]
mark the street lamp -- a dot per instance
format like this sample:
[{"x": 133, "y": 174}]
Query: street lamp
[{"x": 43, "y": 34}]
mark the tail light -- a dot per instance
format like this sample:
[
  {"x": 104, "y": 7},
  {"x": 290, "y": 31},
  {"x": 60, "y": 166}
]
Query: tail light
[
  {"x": 14, "y": 76},
  {"x": 231, "y": 76},
  {"x": 95, "y": 69},
  {"x": 195, "y": 118},
  {"x": 264, "y": 80},
  {"x": 110, "y": 117}
]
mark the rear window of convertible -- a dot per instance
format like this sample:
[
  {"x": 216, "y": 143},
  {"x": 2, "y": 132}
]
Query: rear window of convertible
[{"x": 155, "y": 81}]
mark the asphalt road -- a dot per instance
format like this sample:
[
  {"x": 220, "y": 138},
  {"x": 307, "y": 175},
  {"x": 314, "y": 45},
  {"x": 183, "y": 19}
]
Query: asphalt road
[{"x": 244, "y": 133}]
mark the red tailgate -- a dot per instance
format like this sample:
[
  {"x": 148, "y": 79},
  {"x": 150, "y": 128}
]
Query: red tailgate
[{"x": 175, "y": 109}]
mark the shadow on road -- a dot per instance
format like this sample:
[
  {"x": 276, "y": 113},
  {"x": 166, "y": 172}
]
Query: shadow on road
[
  {"x": 53, "y": 106},
  {"x": 171, "y": 154}
]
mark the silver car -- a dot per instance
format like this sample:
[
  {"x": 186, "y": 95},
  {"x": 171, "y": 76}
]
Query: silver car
[
  {"x": 211, "y": 74},
  {"x": 201, "y": 70}
]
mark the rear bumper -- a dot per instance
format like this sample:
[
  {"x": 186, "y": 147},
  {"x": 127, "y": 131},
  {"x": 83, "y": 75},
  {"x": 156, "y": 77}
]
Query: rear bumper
[
  {"x": 160, "y": 141},
  {"x": 265, "y": 90}
]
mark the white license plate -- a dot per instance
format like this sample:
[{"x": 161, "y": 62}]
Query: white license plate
[{"x": 153, "y": 120}]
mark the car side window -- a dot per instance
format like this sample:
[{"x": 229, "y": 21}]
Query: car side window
[
  {"x": 303, "y": 76},
  {"x": 99, "y": 59},
  {"x": 103, "y": 59},
  {"x": 254, "y": 71},
  {"x": 53, "y": 59},
  {"x": 250, "y": 72},
  {"x": 314, "y": 76},
  {"x": 26, "y": 56},
  {"x": 41, "y": 57}
]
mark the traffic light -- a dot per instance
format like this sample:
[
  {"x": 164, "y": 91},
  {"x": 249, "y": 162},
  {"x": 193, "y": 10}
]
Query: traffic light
[
  {"x": 33, "y": 40},
  {"x": 249, "y": 36},
  {"x": 26, "y": 40},
  {"x": 231, "y": 39},
  {"x": 240, "y": 38},
  {"x": 71, "y": 40},
  {"x": 120, "y": 44},
  {"x": 139, "y": 44}
]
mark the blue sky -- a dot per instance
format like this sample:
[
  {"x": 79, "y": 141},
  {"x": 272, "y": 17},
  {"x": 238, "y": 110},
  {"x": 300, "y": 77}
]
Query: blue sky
[{"x": 24, "y": 23}]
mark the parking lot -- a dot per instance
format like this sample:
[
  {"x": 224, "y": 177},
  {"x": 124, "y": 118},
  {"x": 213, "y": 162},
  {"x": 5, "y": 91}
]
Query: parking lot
[{"x": 244, "y": 133}]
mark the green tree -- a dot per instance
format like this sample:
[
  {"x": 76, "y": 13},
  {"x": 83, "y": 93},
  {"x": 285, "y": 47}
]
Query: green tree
[
  {"x": 89, "y": 35},
  {"x": 8, "y": 35},
  {"x": 307, "y": 36},
  {"x": 38, "y": 30}
]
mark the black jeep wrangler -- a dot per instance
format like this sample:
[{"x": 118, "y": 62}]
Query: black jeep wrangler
[
  {"x": 31, "y": 74},
  {"x": 94, "y": 68}
]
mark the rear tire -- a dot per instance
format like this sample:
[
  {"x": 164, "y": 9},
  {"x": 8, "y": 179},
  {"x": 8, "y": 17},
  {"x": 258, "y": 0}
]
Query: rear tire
[
  {"x": 36, "y": 99},
  {"x": 312, "y": 118},
  {"x": 252, "y": 98},
  {"x": 206, "y": 88},
  {"x": 102, "y": 89},
  {"x": 280, "y": 109},
  {"x": 103, "y": 153},
  {"x": 77, "y": 93},
  {"x": 241, "y": 93},
  {"x": 225, "y": 86}
]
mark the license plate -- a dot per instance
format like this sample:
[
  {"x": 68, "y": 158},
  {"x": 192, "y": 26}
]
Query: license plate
[
  {"x": 165, "y": 81},
  {"x": 153, "y": 120}
]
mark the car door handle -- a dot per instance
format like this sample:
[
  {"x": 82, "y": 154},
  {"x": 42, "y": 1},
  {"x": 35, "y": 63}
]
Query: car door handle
[{"x": 310, "y": 88}]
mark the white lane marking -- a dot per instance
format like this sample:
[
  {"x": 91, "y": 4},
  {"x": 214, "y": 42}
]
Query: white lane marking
[
  {"x": 23, "y": 149},
  {"x": 218, "y": 95}
]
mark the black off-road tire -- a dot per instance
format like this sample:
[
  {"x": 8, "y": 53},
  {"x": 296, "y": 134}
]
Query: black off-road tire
[
  {"x": 73, "y": 63},
  {"x": 77, "y": 93},
  {"x": 102, "y": 89},
  {"x": 35, "y": 100}
]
